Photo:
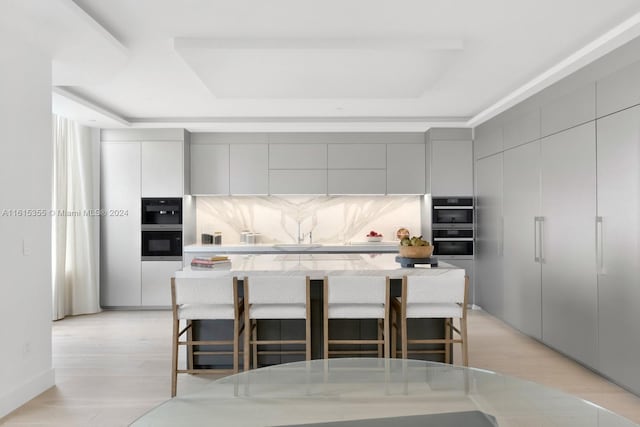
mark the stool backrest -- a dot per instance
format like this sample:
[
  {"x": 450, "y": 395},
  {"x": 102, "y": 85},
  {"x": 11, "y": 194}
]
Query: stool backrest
[
  {"x": 210, "y": 290},
  {"x": 448, "y": 287},
  {"x": 263, "y": 289},
  {"x": 357, "y": 289}
]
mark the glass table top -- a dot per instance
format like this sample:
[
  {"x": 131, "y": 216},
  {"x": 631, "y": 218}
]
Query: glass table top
[{"x": 377, "y": 392}]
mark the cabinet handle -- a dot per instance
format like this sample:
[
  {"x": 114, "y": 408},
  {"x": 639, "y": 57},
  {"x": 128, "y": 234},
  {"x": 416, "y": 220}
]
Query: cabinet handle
[
  {"x": 501, "y": 237},
  {"x": 599, "y": 244},
  {"x": 541, "y": 238},
  {"x": 536, "y": 258}
]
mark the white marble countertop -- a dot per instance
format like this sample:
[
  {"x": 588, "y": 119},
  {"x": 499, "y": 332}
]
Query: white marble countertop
[
  {"x": 316, "y": 266},
  {"x": 283, "y": 248}
]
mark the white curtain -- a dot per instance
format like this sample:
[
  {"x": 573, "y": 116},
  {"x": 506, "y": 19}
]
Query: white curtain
[{"x": 76, "y": 232}]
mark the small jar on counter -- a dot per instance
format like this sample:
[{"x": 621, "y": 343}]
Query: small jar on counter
[{"x": 217, "y": 238}]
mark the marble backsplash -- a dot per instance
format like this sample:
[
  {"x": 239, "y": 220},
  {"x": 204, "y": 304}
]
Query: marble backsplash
[{"x": 331, "y": 219}]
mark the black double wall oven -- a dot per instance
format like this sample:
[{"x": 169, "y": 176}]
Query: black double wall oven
[
  {"x": 161, "y": 229},
  {"x": 452, "y": 226}
]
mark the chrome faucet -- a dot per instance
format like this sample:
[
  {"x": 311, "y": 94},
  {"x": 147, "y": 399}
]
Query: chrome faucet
[{"x": 300, "y": 236}]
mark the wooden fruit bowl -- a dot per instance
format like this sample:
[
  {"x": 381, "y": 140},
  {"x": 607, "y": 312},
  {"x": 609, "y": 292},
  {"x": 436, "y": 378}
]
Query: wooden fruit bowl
[{"x": 416, "y": 251}]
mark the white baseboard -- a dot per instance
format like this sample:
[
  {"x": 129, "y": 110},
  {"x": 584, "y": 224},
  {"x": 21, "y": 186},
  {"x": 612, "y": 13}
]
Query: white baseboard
[{"x": 17, "y": 397}]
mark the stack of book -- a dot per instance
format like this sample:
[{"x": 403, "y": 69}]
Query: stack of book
[{"x": 216, "y": 262}]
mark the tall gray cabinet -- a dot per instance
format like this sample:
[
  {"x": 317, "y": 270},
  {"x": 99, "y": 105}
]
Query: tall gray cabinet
[
  {"x": 522, "y": 226},
  {"x": 569, "y": 286},
  {"x": 618, "y": 246},
  {"x": 489, "y": 228},
  {"x": 569, "y": 210}
]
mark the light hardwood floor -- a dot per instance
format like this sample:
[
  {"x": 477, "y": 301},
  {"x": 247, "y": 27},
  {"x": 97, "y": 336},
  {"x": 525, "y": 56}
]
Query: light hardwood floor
[{"x": 114, "y": 366}]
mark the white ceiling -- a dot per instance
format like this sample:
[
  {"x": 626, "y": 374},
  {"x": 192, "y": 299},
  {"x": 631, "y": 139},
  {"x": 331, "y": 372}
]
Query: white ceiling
[{"x": 311, "y": 65}]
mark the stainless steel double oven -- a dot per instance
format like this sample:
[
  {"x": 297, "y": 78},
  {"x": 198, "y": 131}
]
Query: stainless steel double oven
[
  {"x": 161, "y": 229},
  {"x": 452, "y": 226}
]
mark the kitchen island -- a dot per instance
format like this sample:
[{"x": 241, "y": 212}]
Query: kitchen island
[{"x": 316, "y": 266}]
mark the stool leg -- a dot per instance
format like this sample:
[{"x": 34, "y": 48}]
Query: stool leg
[
  {"x": 236, "y": 338},
  {"x": 307, "y": 337},
  {"x": 189, "y": 347},
  {"x": 465, "y": 348},
  {"x": 447, "y": 340},
  {"x": 394, "y": 334},
  {"x": 174, "y": 358},
  {"x": 403, "y": 336},
  {"x": 379, "y": 338},
  {"x": 386, "y": 338},
  {"x": 254, "y": 334},
  {"x": 247, "y": 345}
]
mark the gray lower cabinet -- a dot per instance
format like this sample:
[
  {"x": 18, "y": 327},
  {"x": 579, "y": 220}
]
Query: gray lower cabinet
[
  {"x": 120, "y": 234},
  {"x": 521, "y": 210},
  {"x": 489, "y": 250},
  {"x": 618, "y": 151},
  {"x": 156, "y": 282},
  {"x": 569, "y": 282}
]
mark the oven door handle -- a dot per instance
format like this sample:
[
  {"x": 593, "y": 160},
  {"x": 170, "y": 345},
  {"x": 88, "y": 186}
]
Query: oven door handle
[{"x": 453, "y": 239}]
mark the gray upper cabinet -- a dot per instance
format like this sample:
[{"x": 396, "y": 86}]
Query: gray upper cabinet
[
  {"x": 451, "y": 168},
  {"x": 406, "y": 168},
  {"x": 619, "y": 90},
  {"x": 210, "y": 169},
  {"x": 569, "y": 110},
  {"x": 162, "y": 168},
  {"x": 297, "y": 156},
  {"x": 522, "y": 129},
  {"x": 619, "y": 246},
  {"x": 522, "y": 268},
  {"x": 568, "y": 249},
  {"x": 357, "y": 169},
  {"x": 357, "y": 156},
  {"x": 357, "y": 181},
  {"x": 489, "y": 235},
  {"x": 488, "y": 139},
  {"x": 249, "y": 169},
  {"x": 297, "y": 168},
  {"x": 298, "y": 181}
]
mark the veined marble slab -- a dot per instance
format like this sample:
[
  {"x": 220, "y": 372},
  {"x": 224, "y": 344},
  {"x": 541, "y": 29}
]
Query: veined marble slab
[{"x": 317, "y": 266}]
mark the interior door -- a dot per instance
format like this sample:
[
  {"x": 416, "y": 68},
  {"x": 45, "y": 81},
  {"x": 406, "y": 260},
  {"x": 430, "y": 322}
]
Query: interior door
[
  {"x": 521, "y": 210},
  {"x": 618, "y": 142},
  {"x": 569, "y": 282}
]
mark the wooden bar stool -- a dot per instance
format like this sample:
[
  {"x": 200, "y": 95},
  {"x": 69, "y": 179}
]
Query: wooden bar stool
[
  {"x": 203, "y": 299},
  {"x": 275, "y": 298},
  {"x": 440, "y": 296},
  {"x": 357, "y": 297}
]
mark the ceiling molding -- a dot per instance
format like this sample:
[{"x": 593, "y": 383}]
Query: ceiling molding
[
  {"x": 301, "y": 124},
  {"x": 91, "y": 22},
  {"x": 90, "y": 105},
  {"x": 319, "y": 43},
  {"x": 612, "y": 39}
]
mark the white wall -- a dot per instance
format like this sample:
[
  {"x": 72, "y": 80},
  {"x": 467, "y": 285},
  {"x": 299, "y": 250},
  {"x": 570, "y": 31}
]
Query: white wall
[{"x": 25, "y": 249}]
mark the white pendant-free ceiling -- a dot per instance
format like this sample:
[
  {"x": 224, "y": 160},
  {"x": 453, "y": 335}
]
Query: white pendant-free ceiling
[{"x": 407, "y": 64}]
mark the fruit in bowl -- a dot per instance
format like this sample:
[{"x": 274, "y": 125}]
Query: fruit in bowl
[
  {"x": 374, "y": 236},
  {"x": 415, "y": 247}
]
